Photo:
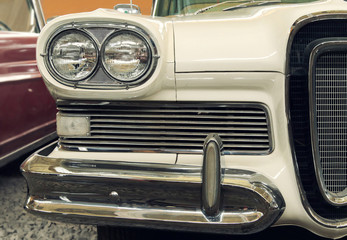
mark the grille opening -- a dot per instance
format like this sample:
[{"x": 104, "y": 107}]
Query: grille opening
[
  {"x": 299, "y": 109},
  {"x": 171, "y": 127}
]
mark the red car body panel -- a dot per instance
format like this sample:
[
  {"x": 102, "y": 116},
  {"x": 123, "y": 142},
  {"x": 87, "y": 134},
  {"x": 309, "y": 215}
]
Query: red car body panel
[{"x": 27, "y": 110}]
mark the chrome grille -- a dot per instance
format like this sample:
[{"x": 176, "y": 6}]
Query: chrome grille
[
  {"x": 331, "y": 117},
  {"x": 170, "y": 127},
  {"x": 299, "y": 108}
]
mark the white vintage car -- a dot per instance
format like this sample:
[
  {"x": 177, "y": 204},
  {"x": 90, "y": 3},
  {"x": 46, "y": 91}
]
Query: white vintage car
[{"x": 212, "y": 116}]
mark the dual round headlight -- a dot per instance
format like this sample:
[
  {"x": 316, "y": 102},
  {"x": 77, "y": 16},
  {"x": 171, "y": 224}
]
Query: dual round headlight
[
  {"x": 74, "y": 55},
  {"x": 126, "y": 56}
]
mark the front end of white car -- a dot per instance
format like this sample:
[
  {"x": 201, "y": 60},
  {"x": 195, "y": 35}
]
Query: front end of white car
[{"x": 202, "y": 123}]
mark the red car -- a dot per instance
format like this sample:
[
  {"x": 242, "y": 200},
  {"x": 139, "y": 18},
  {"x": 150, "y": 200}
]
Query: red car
[{"x": 27, "y": 110}]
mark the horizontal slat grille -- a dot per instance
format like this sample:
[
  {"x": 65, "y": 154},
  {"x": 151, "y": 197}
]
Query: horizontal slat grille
[
  {"x": 331, "y": 111},
  {"x": 168, "y": 127}
]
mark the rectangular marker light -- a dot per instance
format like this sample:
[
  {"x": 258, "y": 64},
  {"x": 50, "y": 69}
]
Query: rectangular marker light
[{"x": 72, "y": 125}]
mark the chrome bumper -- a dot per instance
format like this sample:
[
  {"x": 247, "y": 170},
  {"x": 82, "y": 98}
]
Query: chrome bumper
[{"x": 164, "y": 196}]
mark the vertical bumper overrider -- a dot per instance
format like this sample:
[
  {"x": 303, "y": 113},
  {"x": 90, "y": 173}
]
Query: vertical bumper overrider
[{"x": 211, "y": 177}]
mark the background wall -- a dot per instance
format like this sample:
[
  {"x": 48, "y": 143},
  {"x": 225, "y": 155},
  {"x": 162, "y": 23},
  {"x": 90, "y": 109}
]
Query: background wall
[{"x": 61, "y": 7}]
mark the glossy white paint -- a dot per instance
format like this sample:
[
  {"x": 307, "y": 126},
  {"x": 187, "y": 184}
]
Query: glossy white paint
[
  {"x": 236, "y": 56},
  {"x": 248, "y": 39},
  {"x": 236, "y": 86}
]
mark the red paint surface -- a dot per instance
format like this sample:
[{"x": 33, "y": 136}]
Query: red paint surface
[{"x": 27, "y": 110}]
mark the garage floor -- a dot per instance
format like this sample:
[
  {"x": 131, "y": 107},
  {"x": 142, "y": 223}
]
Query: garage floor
[{"x": 15, "y": 223}]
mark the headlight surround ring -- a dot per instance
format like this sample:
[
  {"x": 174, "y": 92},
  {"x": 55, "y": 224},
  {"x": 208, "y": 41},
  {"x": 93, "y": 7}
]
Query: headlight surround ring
[
  {"x": 136, "y": 75},
  {"x": 90, "y": 63}
]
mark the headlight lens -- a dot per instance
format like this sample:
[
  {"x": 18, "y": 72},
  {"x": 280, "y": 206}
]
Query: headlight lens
[
  {"x": 126, "y": 56},
  {"x": 73, "y": 55}
]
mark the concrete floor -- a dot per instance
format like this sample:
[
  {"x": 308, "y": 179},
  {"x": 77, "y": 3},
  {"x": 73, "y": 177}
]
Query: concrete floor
[{"x": 15, "y": 223}]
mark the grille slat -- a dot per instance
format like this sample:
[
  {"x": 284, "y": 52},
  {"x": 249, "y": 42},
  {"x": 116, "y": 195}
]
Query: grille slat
[
  {"x": 144, "y": 132},
  {"x": 330, "y": 88},
  {"x": 157, "y": 143},
  {"x": 230, "y": 117},
  {"x": 178, "y": 122},
  {"x": 175, "y": 127},
  {"x": 170, "y": 127},
  {"x": 153, "y": 149},
  {"x": 172, "y": 111},
  {"x": 181, "y": 138}
]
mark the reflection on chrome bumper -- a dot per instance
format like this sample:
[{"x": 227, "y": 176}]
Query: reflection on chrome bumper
[{"x": 150, "y": 195}]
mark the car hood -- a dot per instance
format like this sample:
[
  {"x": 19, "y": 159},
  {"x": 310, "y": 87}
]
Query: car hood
[{"x": 246, "y": 39}]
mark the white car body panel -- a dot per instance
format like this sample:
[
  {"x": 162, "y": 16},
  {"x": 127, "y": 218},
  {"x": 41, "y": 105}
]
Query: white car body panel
[{"x": 250, "y": 39}]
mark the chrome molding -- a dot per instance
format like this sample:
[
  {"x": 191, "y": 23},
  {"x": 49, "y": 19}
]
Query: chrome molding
[
  {"x": 336, "y": 199},
  {"x": 154, "y": 7},
  {"x": 304, "y": 20},
  {"x": 39, "y": 16},
  {"x": 211, "y": 176},
  {"x": 100, "y": 32},
  {"x": 153, "y": 195}
]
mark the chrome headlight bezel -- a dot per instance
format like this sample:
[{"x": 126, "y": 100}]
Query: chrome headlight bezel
[
  {"x": 89, "y": 29},
  {"x": 49, "y": 61},
  {"x": 144, "y": 73}
]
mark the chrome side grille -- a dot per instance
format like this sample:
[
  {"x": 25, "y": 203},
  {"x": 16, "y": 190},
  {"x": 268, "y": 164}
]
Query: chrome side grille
[
  {"x": 170, "y": 127},
  {"x": 331, "y": 118}
]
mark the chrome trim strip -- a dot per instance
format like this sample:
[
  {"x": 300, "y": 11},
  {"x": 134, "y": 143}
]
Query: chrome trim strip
[
  {"x": 135, "y": 136},
  {"x": 156, "y": 144},
  {"x": 154, "y": 7},
  {"x": 333, "y": 198},
  {"x": 39, "y": 16},
  {"x": 231, "y": 121},
  {"x": 126, "y": 125},
  {"x": 177, "y": 133},
  {"x": 146, "y": 194},
  {"x": 154, "y": 150},
  {"x": 211, "y": 177},
  {"x": 304, "y": 20}
]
